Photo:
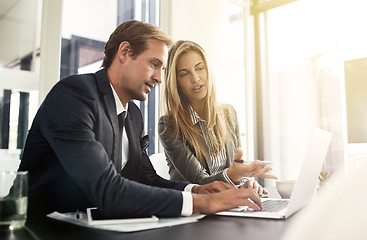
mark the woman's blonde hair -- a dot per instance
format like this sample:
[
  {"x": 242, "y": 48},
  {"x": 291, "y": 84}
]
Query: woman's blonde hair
[{"x": 177, "y": 105}]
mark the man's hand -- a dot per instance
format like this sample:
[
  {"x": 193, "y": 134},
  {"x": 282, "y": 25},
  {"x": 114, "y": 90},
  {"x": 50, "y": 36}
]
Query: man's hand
[
  {"x": 225, "y": 200},
  {"x": 216, "y": 186}
]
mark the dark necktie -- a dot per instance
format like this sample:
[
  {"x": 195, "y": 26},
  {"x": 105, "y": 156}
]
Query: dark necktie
[{"x": 121, "y": 119}]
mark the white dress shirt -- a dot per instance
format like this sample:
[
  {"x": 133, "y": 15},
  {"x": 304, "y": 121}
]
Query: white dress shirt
[
  {"x": 187, "y": 204},
  {"x": 125, "y": 141}
]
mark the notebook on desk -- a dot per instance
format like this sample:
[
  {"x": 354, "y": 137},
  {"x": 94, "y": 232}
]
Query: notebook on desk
[{"x": 304, "y": 186}]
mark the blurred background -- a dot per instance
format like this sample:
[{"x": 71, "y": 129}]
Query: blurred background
[{"x": 287, "y": 66}]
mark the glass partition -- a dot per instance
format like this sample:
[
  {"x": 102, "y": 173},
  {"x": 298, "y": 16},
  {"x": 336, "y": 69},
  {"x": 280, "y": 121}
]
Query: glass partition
[{"x": 19, "y": 72}]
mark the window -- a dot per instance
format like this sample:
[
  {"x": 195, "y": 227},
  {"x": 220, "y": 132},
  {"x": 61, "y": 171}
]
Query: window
[
  {"x": 300, "y": 50},
  {"x": 19, "y": 72},
  {"x": 84, "y": 36}
]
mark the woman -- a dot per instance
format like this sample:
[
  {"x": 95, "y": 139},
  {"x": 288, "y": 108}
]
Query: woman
[{"x": 200, "y": 137}]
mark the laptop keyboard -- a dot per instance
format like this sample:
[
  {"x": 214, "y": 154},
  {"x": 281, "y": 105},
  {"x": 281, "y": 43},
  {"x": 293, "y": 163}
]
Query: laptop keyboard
[
  {"x": 274, "y": 205},
  {"x": 268, "y": 206}
]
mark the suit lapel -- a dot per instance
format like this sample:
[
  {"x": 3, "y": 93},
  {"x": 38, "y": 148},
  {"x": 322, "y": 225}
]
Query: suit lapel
[{"x": 110, "y": 106}]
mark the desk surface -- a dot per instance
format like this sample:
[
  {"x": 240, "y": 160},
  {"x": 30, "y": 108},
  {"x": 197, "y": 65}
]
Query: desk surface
[{"x": 211, "y": 227}]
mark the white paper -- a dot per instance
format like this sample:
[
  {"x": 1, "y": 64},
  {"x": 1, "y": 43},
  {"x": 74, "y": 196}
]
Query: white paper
[
  {"x": 126, "y": 227},
  {"x": 92, "y": 221}
]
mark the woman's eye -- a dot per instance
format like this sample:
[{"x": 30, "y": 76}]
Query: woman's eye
[
  {"x": 183, "y": 74},
  {"x": 200, "y": 68}
]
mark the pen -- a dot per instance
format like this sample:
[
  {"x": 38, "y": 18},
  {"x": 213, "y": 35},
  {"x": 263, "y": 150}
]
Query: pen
[{"x": 247, "y": 161}]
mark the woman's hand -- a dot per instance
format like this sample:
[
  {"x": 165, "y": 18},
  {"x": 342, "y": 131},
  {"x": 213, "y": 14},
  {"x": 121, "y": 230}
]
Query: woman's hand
[
  {"x": 256, "y": 186},
  {"x": 253, "y": 169}
]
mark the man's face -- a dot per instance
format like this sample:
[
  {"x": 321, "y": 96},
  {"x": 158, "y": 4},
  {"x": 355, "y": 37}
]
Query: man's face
[{"x": 142, "y": 72}]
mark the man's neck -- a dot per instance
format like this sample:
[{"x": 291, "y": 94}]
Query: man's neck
[{"x": 114, "y": 81}]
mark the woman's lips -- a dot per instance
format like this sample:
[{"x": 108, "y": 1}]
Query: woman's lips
[{"x": 198, "y": 88}]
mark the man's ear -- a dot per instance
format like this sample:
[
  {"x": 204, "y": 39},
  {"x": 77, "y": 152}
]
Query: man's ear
[{"x": 124, "y": 50}]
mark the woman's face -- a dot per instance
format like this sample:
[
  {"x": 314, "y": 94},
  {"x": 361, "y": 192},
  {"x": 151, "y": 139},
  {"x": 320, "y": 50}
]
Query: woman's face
[{"x": 192, "y": 76}]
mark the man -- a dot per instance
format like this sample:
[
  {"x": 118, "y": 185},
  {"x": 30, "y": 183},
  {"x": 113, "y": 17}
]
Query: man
[{"x": 73, "y": 149}]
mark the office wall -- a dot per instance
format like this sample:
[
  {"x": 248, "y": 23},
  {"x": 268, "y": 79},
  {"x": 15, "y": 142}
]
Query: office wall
[
  {"x": 205, "y": 22},
  {"x": 93, "y": 19}
]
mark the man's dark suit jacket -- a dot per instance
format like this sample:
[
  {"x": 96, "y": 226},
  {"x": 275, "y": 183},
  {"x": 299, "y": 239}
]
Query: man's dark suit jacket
[{"x": 71, "y": 154}]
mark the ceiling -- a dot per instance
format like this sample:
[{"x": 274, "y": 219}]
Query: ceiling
[{"x": 18, "y": 25}]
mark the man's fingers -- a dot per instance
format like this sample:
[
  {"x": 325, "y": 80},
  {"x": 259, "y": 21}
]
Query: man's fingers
[
  {"x": 223, "y": 185},
  {"x": 256, "y": 201},
  {"x": 218, "y": 186},
  {"x": 252, "y": 205},
  {"x": 252, "y": 198}
]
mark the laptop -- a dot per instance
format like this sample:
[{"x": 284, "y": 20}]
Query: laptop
[{"x": 304, "y": 186}]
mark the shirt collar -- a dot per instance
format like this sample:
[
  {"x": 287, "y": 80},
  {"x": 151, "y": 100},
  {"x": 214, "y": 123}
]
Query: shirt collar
[
  {"x": 119, "y": 107},
  {"x": 194, "y": 116}
]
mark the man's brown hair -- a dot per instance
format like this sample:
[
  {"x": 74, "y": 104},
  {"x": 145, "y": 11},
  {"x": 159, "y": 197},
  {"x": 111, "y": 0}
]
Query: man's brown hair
[{"x": 136, "y": 33}]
